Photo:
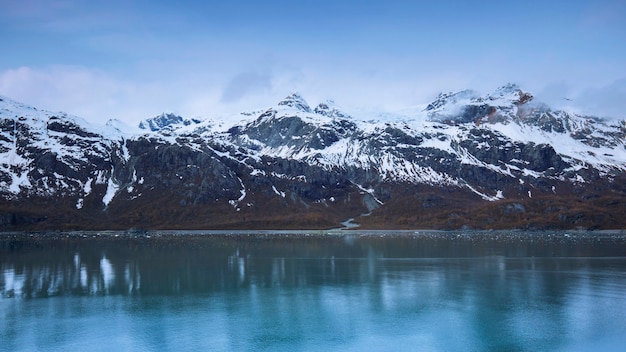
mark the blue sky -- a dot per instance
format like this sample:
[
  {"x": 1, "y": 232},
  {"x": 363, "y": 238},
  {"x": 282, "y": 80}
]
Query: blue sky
[{"x": 133, "y": 59}]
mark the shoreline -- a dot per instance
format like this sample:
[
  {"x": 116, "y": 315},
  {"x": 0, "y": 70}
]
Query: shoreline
[
  {"x": 329, "y": 244},
  {"x": 136, "y": 233}
]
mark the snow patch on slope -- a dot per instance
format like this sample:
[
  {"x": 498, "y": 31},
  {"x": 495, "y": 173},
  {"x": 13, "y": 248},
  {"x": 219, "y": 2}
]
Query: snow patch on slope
[{"x": 112, "y": 189}]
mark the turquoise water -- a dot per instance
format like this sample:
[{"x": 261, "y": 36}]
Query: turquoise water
[{"x": 427, "y": 292}]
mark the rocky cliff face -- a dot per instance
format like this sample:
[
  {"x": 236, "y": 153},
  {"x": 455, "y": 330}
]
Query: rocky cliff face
[{"x": 495, "y": 161}]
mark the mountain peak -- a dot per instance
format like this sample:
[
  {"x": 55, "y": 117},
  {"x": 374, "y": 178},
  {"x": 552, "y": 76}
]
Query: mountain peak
[
  {"x": 509, "y": 87},
  {"x": 469, "y": 106},
  {"x": 296, "y": 101},
  {"x": 160, "y": 121},
  {"x": 302, "y": 169},
  {"x": 166, "y": 122},
  {"x": 330, "y": 109},
  {"x": 444, "y": 99},
  {"x": 510, "y": 93}
]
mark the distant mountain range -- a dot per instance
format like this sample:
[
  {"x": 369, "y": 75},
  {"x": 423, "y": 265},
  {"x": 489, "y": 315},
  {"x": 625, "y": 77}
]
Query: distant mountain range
[{"x": 463, "y": 161}]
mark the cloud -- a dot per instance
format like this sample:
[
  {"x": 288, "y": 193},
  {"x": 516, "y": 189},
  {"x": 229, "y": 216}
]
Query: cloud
[
  {"x": 607, "y": 101},
  {"x": 33, "y": 8},
  {"x": 55, "y": 85},
  {"x": 556, "y": 94},
  {"x": 606, "y": 14},
  {"x": 97, "y": 95},
  {"x": 244, "y": 84},
  {"x": 72, "y": 18},
  {"x": 88, "y": 93}
]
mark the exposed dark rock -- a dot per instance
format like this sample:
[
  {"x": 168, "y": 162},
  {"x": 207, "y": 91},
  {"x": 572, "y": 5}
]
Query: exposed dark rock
[
  {"x": 159, "y": 122},
  {"x": 295, "y": 101},
  {"x": 294, "y": 167}
]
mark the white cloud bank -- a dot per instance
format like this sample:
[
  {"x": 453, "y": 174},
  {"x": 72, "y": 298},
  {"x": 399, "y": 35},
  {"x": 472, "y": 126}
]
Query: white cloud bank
[{"x": 98, "y": 96}]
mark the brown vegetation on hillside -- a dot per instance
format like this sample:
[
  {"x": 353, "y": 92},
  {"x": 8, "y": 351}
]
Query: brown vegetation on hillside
[{"x": 405, "y": 207}]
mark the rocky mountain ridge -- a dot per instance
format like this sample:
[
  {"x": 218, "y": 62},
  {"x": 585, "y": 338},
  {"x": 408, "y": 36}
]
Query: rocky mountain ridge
[{"x": 495, "y": 161}]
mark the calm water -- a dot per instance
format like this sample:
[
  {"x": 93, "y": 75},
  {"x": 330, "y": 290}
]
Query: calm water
[{"x": 428, "y": 292}]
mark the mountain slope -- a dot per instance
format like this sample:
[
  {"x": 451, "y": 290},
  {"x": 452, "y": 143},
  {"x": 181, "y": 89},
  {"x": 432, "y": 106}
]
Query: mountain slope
[{"x": 495, "y": 161}]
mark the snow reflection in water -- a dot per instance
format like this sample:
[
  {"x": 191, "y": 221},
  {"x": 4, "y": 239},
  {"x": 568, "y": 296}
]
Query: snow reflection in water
[
  {"x": 187, "y": 264},
  {"x": 307, "y": 292}
]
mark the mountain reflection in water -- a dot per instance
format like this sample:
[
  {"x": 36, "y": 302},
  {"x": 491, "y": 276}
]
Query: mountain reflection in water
[
  {"x": 188, "y": 264},
  {"x": 292, "y": 292}
]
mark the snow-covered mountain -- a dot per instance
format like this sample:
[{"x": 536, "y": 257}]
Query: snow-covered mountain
[{"x": 500, "y": 160}]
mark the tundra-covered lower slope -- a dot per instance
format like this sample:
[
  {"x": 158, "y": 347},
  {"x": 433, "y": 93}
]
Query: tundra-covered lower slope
[{"x": 465, "y": 160}]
